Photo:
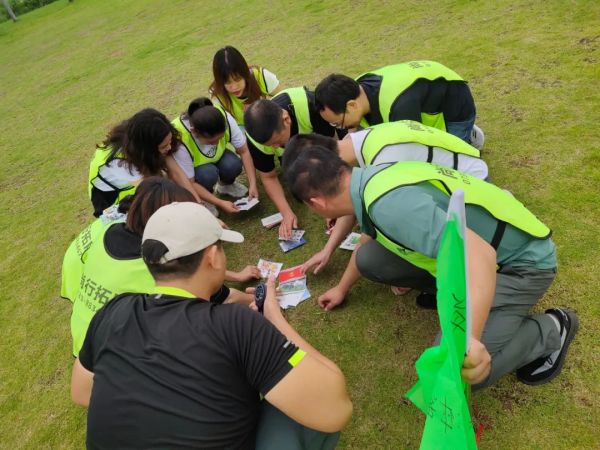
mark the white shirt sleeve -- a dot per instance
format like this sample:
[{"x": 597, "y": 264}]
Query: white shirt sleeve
[
  {"x": 183, "y": 158},
  {"x": 237, "y": 136},
  {"x": 358, "y": 137},
  {"x": 270, "y": 80},
  {"x": 117, "y": 173}
]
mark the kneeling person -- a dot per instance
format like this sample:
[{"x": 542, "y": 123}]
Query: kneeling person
[
  {"x": 206, "y": 132},
  {"x": 512, "y": 260},
  {"x": 424, "y": 91},
  {"x": 269, "y": 125},
  {"x": 170, "y": 369}
]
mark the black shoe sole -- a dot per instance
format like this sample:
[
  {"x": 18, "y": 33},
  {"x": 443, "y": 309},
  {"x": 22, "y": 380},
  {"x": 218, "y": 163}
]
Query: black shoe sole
[{"x": 563, "y": 354}]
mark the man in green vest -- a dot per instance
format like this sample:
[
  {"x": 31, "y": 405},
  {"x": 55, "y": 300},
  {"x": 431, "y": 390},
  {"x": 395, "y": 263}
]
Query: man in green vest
[
  {"x": 269, "y": 125},
  {"x": 424, "y": 91},
  {"x": 511, "y": 258},
  {"x": 404, "y": 140}
]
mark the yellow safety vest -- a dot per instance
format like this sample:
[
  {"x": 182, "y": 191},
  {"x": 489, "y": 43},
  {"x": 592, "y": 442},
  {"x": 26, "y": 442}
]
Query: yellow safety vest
[
  {"x": 100, "y": 160},
  {"x": 237, "y": 105},
  {"x": 407, "y": 131},
  {"x": 102, "y": 278},
  {"x": 399, "y": 77},
  {"x": 299, "y": 102},
  {"x": 500, "y": 204},
  {"x": 187, "y": 139}
]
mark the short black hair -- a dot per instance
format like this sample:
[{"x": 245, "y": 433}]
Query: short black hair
[
  {"x": 262, "y": 119},
  {"x": 316, "y": 171},
  {"x": 300, "y": 142},
  {"x": 184, "y": 267},
  {"x": 334, "y": 91},
  {"x": 205, "y": 118}
]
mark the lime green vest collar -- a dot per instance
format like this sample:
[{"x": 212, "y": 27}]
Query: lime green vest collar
[{"x": 171, "y": 290}]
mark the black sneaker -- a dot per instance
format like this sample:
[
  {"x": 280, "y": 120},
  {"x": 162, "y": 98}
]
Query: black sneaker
[
  {"x": 427, "y": 300},
  {"x": 546, "y": 368}
]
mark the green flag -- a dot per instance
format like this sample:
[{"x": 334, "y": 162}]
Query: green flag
[{"x": 440, "y": 391}]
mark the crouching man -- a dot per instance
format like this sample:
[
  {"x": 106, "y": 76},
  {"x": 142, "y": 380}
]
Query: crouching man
[{"x": 168, "y": 369}]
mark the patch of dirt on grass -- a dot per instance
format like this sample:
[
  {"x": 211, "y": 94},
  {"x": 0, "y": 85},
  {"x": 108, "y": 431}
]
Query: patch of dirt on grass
[
  {"x": 527, "y": 161},
  {"x": 588, "y": 40}
]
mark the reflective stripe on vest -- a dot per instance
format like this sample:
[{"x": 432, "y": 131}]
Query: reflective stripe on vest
[
  {"x": 192, "y": 147},
  {"x": 299, "y": 102},
  {"x": 237, "y": 105},
  {"x": 104, "y": 277},
  {"x": 407, "y": 131},
  {"x": 497, "y": 202},
  {"x": 98, "y": 161},
  {"x": 399, "y": 77}
]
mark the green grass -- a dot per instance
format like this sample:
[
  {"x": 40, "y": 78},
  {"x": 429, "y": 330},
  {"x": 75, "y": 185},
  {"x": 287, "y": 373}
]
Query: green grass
[{"x": 71, "y": 70}]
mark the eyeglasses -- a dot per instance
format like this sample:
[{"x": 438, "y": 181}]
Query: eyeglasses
[{"x": 340, "y": 125}]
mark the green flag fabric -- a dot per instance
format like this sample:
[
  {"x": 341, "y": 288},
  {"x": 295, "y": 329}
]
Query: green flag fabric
[{"x": 440, "y": 391}]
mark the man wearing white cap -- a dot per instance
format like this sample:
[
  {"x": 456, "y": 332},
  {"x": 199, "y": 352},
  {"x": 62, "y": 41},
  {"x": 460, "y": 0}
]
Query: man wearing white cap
[{"x": 168, "y": 369}]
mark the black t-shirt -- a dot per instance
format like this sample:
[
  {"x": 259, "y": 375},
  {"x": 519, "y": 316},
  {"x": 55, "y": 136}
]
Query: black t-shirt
[
  {"x": 121, "y": 244},
  {"x": 452, "y": 98},
  {"x": 102, "y": 200},
  {"x": 174, "y": 372},
  {"x": 266, "y": 163}
]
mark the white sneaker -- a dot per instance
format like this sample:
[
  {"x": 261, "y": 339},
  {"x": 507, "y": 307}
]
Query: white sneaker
[
  {"x": 234, "y": 189},
  {"x": 477, "y": 137},
  {"x": 212, "y": 208}
]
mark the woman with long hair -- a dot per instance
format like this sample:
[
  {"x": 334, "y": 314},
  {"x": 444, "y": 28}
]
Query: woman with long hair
[
  {"x": 236, "y": 84},
  {"x": 138, "y": 147},
  {"x": 207, "y": 134},
  {"x": 105, "y": 259}
]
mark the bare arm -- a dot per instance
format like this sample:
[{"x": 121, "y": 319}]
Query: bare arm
[
  {"x": 82, "y": 381},
  {"x": 336, "y": 294},
  {"x": 250, "y": 170},
  {"x": 482, "y": 286},
  {"x": 208, "y": 197},
  {"x": 314, "y": 392},
  {"x": 179, "y": 177},
  {"x": 343, "y": 226},
  {"x": 275, "y": 192}
]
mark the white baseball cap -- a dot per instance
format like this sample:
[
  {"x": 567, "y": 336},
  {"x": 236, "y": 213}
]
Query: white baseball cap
[{"x": 185, "y": 228}]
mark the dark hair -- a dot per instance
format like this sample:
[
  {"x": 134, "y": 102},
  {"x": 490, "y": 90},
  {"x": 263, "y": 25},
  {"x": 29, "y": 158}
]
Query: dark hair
[
  {"x": 228, "y": 62},
  {"x": 150, "y": 195},
  {"x": 114, "y": 140},
  {"x": 334, "y": 91},
  {"x": 262, "y": 119},
  {"x": 316, "y": 171},
  {"x": 184, "y": 267},
  {"x": 205, "y": 118},
  {"x": 301, "y": 142},
  {"x": 145, "y": 131}
]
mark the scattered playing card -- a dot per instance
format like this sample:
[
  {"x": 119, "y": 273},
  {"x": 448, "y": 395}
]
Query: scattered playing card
[
  {"x": 291, "y": 274},
  {"x": 351, "y": 241},
  {"x": 296, "y": 235},
  {"x": 287, "y": 246},
  {"x": 268, "y": 268},
  {"x": 244, "y": 204},
  {"x": 271, "y": 221},
  {"x": 298, "y": 285},
  {"x": 293, "y": 299}
]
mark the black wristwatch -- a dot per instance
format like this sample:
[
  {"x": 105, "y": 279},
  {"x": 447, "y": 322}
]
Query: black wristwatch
[{"x": 260, "y": 294}]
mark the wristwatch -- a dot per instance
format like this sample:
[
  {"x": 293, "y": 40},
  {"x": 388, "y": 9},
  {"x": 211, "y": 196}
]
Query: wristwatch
[{"x": 260, "y": 294}]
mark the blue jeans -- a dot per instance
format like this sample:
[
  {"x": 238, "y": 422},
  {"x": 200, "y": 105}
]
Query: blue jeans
[
  {"x": 462, "y": 129},
  {"x": 226, "y": 169},
  {"x": 276, "y": 431}
]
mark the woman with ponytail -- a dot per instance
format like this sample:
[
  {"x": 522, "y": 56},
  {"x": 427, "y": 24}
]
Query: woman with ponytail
[{"x": 210, "y": 139}]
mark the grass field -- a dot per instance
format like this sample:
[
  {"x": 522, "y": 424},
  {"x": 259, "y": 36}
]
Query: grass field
[{"x": 69, "y": 71}]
